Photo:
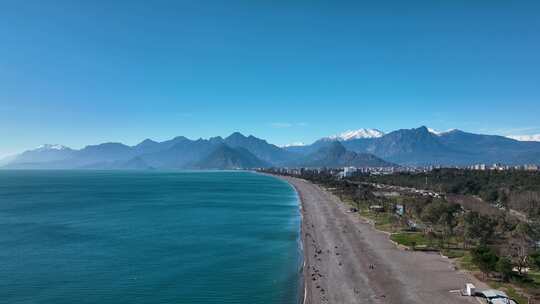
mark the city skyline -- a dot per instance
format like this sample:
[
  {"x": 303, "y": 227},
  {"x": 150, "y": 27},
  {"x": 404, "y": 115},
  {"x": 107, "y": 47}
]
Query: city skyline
[{"x": 77, "y": 73}]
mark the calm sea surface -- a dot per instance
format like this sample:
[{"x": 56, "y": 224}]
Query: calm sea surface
[{"x": 147, "y": 237}]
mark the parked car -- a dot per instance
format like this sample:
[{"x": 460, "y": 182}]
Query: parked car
[{"x": 493, "y": 296}]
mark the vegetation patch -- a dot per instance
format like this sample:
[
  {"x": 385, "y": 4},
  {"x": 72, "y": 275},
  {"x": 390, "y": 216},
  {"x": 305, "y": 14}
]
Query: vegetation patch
[
  {"x": 454, "y": 253},
  {"x": 413, "y": 240}
]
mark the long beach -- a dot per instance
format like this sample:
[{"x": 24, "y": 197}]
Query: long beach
[{"x": 348, "y": 261}]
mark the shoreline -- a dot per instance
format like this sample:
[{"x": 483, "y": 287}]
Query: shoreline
[
  {"x": 302, "y": 289},
  {"x": 302, "y": 278},
  {"x": 346, "y": 260}
]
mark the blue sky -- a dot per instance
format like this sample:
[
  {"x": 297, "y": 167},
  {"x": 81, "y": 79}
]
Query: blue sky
[{"x": 82, "y": 72}]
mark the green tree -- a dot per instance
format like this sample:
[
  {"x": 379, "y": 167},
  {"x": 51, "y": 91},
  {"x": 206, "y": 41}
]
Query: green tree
[
  {"x": 485, "y": 258},
  {"x": 504, "y": 267},
  {"x": 448, "y": 221},
  {"x": 478, "y": 228},
  {"x": 491, "y": 195}
]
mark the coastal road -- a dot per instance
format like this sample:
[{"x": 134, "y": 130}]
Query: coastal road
[{"x": 348, "y": 261}]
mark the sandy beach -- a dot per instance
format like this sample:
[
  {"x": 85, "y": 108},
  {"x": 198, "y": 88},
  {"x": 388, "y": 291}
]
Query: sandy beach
[{"x": 348, "y": 261}]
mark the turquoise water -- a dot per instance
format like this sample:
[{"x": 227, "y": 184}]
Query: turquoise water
[{"x": 147, "y": 237}]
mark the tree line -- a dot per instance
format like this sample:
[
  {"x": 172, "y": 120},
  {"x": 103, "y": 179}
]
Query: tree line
[{"x": 516, "y": 189}]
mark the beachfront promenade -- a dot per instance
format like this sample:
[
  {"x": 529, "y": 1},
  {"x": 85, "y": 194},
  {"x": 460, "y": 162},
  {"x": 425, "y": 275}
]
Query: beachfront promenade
[{"x": 348, "y": 261}]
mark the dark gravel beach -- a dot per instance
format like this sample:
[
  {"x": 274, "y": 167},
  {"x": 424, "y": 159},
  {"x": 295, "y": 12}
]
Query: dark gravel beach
[{"x": 348, "y": 261}]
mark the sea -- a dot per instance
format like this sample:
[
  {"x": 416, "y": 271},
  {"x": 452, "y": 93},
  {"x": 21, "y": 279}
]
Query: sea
[{"x": 148, "y": 237}]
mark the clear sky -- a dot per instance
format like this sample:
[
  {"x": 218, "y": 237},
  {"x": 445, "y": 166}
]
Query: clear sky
[{"x": 85, "y": 72}]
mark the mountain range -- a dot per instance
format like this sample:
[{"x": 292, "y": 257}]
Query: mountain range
[
  {"x": 422, "y": 146},
  {"x": 361, "y": 148},
  {"x": 233, "y": 152}
]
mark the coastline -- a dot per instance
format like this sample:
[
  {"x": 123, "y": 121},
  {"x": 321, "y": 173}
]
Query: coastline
[
  {"x": 340, "y": 249},
  {"x": 302, "y": 278},
  {"x": 302, "y": 289}
]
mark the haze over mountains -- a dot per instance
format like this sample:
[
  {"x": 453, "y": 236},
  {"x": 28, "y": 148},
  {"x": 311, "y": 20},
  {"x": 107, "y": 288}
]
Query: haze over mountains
[{"x": 361, "y": 148}]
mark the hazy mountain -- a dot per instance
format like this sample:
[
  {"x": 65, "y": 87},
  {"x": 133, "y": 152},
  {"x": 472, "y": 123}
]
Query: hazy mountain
[
  {"x": 148, "y": 146},
  {"x": 419, "y": 146},
  {"x": 136, "y": 163},
  {"x": 104, "y": 152},
  {"x": 43, "y": 153},
  {"x": 6, "y": 160},
  {"x": 492, "y": 148},
  {"x": 300, "y": 149},
  {"x": 308, "y": 149},
  {"x": 336, "y": 155},
  {"x": 226, "y": 157},
  {"x": 180, "y": 153},
  {"x": 164, "y": 145},
  {"x": 260, "y": 148},
  {"x": 133, "y": 164}
]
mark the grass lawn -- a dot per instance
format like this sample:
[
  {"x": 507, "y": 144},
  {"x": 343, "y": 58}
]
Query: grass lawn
[
  {"x": 535, "y": 276},
  {"x": 383, "y": 221},
  {"x": 466, "y": 262},
  {"x": 410, "y": 238}
]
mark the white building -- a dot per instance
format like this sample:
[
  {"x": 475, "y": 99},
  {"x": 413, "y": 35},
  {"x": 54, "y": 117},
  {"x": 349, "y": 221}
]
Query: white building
[{"x": 349, "y": 171}]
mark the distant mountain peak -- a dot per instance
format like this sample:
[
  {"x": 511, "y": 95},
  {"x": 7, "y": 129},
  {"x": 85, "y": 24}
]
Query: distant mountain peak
[
  {"x": 178, "y": 138},
  {"x": 226, "y": 157},
  {"x": 357, "y": 134},
  {"x": 147, "y": 141},
  {"x": 334, "y": 154},
  {"x": 236, "y": 135},
  {"x": 216, "y": 139}
]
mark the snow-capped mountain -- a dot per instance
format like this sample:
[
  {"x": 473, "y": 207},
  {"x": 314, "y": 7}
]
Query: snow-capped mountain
[
  {"x": 533, "y": 137},
  {"x": 439, "y": 133},
  {"x": 294, "y": 144},
  {"x": 356, "y": 134},
  {"x": 44, "y": 153},
  {"x": 51, "y": 147}
]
